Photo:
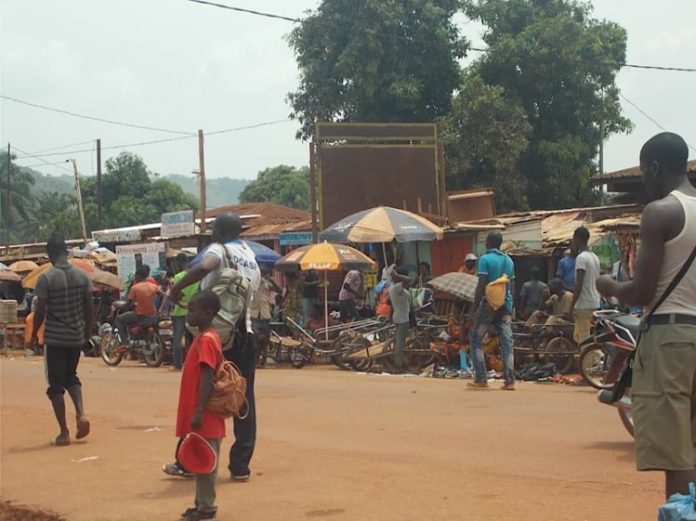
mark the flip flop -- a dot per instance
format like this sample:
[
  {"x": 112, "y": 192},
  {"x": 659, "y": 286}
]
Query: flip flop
[
  {"x": 82, "y": 428},
  {"x": 58, "y": 442}
]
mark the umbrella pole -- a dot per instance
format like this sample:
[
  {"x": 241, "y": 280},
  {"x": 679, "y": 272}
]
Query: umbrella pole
[
  {"x": 326, "y": 308},
  {"x": 384, "y": 251}
]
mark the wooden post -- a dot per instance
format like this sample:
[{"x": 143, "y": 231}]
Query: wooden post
[
  {"x": 79, "y": 202},
  {"x": 7, "y": 200},
  {"x": 313, "y": 193},
  {"x": 99, "y": 185},
  {"x": 201, "y": 173}
]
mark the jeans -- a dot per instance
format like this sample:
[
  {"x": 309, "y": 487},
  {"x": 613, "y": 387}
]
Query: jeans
[
  {"x": 205, "y": 483},
  {"x": 307, "y": 304},
  {"x": 501, "y": 320},
  {"x": 400, "y": 344},
  {"x": 178, "y": 333},
  {"x": 348, "y": 309},
  {"x": 244, "y": 430},
  {"x": 124, "y": 320}
]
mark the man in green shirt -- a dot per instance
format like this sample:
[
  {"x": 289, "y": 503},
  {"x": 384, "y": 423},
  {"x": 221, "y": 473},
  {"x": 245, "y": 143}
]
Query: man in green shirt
[{"x": 179, "y": 313}]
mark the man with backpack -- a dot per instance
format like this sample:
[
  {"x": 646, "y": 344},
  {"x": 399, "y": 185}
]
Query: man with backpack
[
  {"x": 490, "y": 311},
  {"x": 664, "y": 369},
  {"x": 219, "y": 269}
]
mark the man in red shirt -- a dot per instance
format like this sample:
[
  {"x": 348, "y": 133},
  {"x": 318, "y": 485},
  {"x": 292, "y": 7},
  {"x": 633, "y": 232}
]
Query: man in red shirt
[
  {"x": 197, "y": 378},
  {"x": 142, "y": 295}
]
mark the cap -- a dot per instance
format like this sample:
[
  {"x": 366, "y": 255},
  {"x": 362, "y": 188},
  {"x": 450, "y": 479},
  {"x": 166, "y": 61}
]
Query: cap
[
  {"x": 470, "y": 256},
  {"x": 196, "y": 455}
]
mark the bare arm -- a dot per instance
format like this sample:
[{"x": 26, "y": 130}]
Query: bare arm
[
  {"x": 205, "y": 387},
  {"x": 195, "y": 274},
  {"x": 39, "y": 317},
  {"x": 579, "y": 279},
  {"x": 654, "y": 230}
]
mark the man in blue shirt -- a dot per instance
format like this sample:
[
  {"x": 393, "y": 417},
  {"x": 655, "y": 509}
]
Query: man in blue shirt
[
  {"x": 493, "y": 265},
  {"x": 566, "y": 270}
]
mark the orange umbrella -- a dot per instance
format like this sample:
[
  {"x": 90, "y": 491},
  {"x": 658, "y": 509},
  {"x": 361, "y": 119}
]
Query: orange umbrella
[
  {"x": 31, "y": 279},
  {"x": 23, "y": 265},
  {"x": 107, "y": 279}
]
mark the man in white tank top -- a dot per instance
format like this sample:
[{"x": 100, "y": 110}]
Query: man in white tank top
[{"x": 664, "y": 371}]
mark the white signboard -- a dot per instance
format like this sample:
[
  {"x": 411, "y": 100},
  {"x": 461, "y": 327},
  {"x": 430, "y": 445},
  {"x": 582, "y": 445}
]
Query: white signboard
[
  {"x": 177, "y": 224},
  {"x": 131, "y": 255},
  {"x": 116, "y": 235}
]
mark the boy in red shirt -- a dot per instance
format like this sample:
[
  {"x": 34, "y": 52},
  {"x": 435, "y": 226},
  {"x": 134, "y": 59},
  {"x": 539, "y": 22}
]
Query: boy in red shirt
[{"x": 197, "y": 378}]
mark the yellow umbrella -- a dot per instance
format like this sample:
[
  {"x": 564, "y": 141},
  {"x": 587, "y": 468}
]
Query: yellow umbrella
[
  {"x": 31, "y": 279},
  {"x": 325, "y": 257},
  {"x": 23, "y": 265}
]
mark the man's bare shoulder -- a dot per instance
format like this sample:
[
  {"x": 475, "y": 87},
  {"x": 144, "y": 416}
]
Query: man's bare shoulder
[{"x": 664, "y": 217}]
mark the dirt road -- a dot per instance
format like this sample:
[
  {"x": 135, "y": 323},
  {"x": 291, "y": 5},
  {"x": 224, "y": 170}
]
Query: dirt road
[{"x": 332, "y": 445}]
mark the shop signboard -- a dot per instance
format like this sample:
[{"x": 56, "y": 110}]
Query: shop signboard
[{"x": 133, "y": 255}]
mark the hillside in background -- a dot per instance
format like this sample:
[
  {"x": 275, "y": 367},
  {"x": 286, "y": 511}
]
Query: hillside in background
[{"x": 222, "y": 191}]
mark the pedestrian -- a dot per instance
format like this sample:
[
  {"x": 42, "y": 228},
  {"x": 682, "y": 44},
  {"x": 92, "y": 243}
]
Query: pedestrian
[
  {"x": 469, "y": 266},
  {"x": 352, "y": 290},
  {"x": 587, "y": 271},
  {"x": 261, "y": 312},
  {"x": 566, "y": 270},
  {"x": 64, "y": 300},
  {"x": 664, "y": 370},
  {"x": 197, "y": 378},
  {"x": 491, "y": 267},
  {"x": 228, "y": 249},
  {"x": 310, "y": 293},
  {"x": 401, "y": 303},
  {"x": 424, "y": 274},
  {"x": 533, "y": 294},
  {"x": 179, "y": 314}
]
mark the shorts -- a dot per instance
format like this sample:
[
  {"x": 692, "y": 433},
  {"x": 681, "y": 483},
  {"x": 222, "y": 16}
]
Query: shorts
[
  {"x": 583, "y": 318},
  {"x": 664, "y": 375},
  {"x": 61, "y": 368}
]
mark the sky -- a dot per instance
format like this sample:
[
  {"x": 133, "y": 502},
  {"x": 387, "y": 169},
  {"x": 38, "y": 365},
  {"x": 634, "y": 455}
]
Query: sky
[{"x": 180, "y": 66}]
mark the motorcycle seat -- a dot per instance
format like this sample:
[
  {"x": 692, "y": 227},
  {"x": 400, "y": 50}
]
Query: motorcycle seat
[
  {"x": 121, "y": 305},
  {"x": 631, "y": 323},
  {"x": 148, "y": 322}
]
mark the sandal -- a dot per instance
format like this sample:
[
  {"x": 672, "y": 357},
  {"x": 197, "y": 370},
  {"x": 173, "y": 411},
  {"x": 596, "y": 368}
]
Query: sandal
[{"x": 82, "y": 428}]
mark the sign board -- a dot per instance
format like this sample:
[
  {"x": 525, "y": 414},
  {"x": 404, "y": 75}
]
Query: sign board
[
  {"x": 295, "y": 238},
  {"x": 177, "y": 224},
  {"x": 132, "y": 255},
  {"x": 117, "y": 236}
]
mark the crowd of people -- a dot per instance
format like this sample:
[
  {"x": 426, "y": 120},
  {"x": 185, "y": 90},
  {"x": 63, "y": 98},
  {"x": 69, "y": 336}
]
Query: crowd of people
[{"x": 664, "y": 372}]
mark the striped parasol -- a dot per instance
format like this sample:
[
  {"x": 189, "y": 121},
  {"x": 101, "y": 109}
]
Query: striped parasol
[
  {"x": 325, "y": 256},
  {"x": 382, "y": 224},
  {"x": 461, "y": 285}
]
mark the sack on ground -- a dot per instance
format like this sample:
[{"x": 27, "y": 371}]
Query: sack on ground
[
  {"x": 228, "y": 398},
  {"x": 679, "y": 507},
  {"x": 496, "y": 291}
]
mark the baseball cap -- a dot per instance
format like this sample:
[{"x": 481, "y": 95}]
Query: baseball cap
[
  {"x": 196, "y": 455},
  {"x": 470, "y": 256}
]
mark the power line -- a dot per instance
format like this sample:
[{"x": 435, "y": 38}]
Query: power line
[
  {"x": 658, "y": 68},
  {"x": 143, "y": 143},
  {"x": 41, "y": 164},
  {"x": 93, "y": 118},
  {"x": 248, "y": 11},
  {"x": 62, "y": 147},
  {"x": 26, "y": 154},
  {"x": 654, "y": 121}
]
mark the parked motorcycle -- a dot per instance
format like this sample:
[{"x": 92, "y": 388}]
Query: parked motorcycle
[
  {"x": 145, "y": 340},
  {"x": 606, "y": 355}
]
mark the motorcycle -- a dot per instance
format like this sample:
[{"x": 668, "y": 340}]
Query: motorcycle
[
  {"x": 606, "y": 355},
  {"x": 145, "y": 340}
]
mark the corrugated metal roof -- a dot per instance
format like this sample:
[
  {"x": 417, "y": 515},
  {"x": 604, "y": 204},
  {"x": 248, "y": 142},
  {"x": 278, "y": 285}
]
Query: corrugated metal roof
[{"x": 630, "y": 174}]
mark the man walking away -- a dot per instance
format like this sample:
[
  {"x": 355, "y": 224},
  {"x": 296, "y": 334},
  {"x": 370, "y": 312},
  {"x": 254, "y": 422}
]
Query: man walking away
[
  {"x": 492, "y": 266},
  {"x": 64, "y": 300},
  {"x": 533, "y": 294},
  {"x": 228, "y": 247},
  {"x": 401, "y": 303},
  {"x": 664, "y": 371},
  {"x": 586, "y": 298}
]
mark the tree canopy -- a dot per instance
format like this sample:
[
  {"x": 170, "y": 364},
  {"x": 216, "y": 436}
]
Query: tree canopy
[
  {"x": 376, "y": 60},
  {"x": 281, "y": 184}
]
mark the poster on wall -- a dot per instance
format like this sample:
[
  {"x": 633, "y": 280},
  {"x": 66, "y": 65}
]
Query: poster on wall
[{"x": 133, "y": 255}]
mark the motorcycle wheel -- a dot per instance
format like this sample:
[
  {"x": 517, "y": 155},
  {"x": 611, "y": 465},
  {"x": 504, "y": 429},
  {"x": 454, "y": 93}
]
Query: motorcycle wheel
[
  {"x": 297, "y": 357},
  {"x": 153, "y": 354},
  {"x": 594, "y": 366},
  {"x": 108, "y": 343},
  {"x": 562, "y": 362}
]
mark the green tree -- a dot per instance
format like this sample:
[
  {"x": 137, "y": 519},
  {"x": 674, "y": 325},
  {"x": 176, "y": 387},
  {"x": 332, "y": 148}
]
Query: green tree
[
  {"x": 18, "y": 192},
  {"x": 281, "y": 184},
  {"x": 52, "y": 212},
  {"x": 485, "y": 135},
  {"x": 376, "y": 60},
  {"x": 559, "y": 64}
]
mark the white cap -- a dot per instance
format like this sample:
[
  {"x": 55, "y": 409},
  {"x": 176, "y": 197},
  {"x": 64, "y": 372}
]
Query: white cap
[{"x": 470, "y": 257}]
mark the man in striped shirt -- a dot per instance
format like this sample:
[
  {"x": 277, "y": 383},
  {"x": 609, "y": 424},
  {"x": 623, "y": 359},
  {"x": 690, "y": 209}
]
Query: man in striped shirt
[{"x": 64, "y": 301}]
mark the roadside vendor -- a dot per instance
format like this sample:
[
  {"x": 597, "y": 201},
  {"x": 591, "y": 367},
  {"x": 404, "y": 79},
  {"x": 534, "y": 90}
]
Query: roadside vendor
[
  {"x": 558, "y": 307},
  {"x": 469, "y": 265}
]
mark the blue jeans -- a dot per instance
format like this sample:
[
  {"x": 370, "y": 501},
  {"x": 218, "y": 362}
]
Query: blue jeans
[
  {"x": 502, "y": 321},
  {"x": 307, "y": 304},
  {"x": 178, "y": 331}
]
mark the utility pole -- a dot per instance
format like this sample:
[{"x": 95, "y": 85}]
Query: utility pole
[
  {"x": 99, "y": 185},
  {"x": 201, "y": 173},
  {"x": 79, "y": 201},
  {"x": 313, "y": 192},
  {"x": 601, "y": 146},
  {"x": 7, "y": 201}
]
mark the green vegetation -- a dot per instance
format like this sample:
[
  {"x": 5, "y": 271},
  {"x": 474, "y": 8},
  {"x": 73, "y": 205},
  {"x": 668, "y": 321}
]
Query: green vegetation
[{"x": 282, "y": 184}]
